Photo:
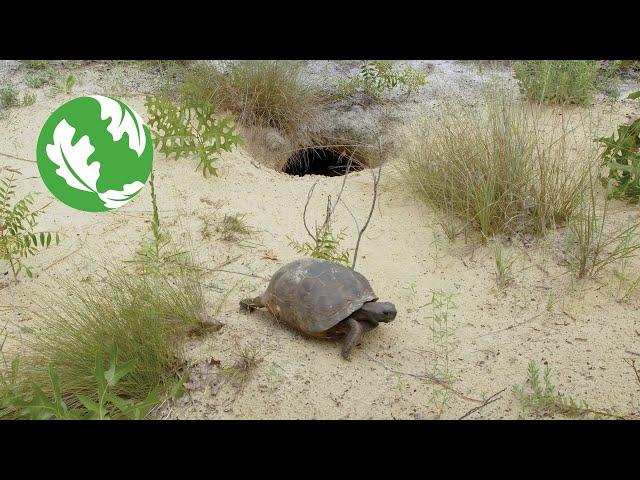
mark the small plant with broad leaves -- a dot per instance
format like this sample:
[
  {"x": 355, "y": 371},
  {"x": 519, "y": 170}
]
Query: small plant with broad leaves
[
  {"x": 18, "y": 238},
  {"x": 326, "y": 246},
  {"x": 622, "y": 157},
  {"x": 188, "y": 129},
  {"x": 64, "y": 84},
  {"x": 104, "y": 406},
  {"x": 379, "y": 77}
]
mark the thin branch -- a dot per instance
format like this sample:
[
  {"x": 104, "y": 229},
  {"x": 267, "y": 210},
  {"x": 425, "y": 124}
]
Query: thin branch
[
  {"x": 304, "y": 213},
  {"x": 376, "y": 179},
  {"x": 427, "y": 377},
  {"x": 632, "y": 363},
  {"x": 488, "y": 401}
]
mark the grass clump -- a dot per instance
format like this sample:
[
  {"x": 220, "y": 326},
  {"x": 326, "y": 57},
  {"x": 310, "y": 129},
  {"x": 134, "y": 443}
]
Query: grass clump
[
  {"x": 113, "y": 347},
  {"x": 8, "y": 95},
  {"x": 504, "y": 266},
  {"x": 233, "y": 227},
  {"x": 258, "y": 93},
  {"x": 36, "y": 64},
  {"x": 506, "y": 167},
  {"x": 558, "y": 81},
  {"x": 592, "y": 243},
  {"x": 541, "y": 398},
  {"x": 142, "y": 316}
]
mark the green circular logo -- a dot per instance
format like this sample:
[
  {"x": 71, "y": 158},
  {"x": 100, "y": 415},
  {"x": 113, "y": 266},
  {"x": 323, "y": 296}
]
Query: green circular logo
[{"x": 95, "y": 153}]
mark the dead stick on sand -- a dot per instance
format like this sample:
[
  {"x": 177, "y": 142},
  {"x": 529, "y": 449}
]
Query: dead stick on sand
[
  {"x": 17, "y": 158},
  {"x": 488, "y": 401},
  {"x": 509, "y": 327},
  {"x": 219, "y": 268},
  {"x": 427, "y": 377}
]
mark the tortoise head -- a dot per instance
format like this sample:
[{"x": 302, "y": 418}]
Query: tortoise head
[{"x": 378, "y": 312}]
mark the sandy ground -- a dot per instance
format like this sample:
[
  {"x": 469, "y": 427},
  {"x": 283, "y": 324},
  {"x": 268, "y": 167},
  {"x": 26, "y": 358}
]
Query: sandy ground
[{"x": 583, "y": 334}]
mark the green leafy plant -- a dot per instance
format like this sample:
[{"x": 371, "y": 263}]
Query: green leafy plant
[
  {"x": 65, "y": 84},
  {"x": 444, "y": 343},
  {"x": 104, "y": 405},
  {"x": 325, "y": 246},
  {"x": 18, "y": 238},
  {"x": 558, "y": 81},
  {"x": 378, "y": 77},
  {"x": 190, "y": 129},
  {"x": 541, "y": 398},
  {"x": 621, "y": 156}
]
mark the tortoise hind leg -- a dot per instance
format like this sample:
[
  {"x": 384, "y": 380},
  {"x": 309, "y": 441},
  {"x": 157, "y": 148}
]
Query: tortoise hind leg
[
  {"x": 355, "y": 332},
  {"x": 251, "y": 304}
]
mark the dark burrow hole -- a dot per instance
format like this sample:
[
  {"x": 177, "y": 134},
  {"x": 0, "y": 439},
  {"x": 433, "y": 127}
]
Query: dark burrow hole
[{"x": 321, "y": 161}]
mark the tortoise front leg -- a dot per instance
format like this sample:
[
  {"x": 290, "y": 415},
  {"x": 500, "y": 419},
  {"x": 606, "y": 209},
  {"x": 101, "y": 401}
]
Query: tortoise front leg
[
  {"x": 355, "y": 332},
  {"x": 250, "y": 304}
]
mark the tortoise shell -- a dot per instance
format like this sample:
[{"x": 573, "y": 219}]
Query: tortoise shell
[{"x": 315, "y": 295}]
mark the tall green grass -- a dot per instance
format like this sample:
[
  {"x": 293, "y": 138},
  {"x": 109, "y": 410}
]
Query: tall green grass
[
  {"x": 143, "y": 316},
  {"x": 258, "y": 92},
  {"x": 504, "y": 167},
  {"x": 593, "y": 242}
]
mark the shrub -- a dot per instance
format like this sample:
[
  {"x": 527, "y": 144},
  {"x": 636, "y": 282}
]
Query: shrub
[
  {"x": 263, "y": 93},
  {"x": 558, "y": 81},
  {"x": 621, "y": 156},
  {"x": 503, "y": 168},
  {"x": 379, "y": 77}
]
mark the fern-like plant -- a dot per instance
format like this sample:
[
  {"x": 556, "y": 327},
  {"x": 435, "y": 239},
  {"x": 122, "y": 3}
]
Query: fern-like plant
[
  {"x": 18, "y": 220},
  {"x": 378, "y": 77},
  {"x": 188, "y": 129}
]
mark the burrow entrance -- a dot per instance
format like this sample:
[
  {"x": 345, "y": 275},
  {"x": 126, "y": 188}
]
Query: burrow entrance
[{"x": 330, "y": 162}]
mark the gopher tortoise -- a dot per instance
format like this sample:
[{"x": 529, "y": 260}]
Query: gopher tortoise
[{"x": 323, "y": 299}]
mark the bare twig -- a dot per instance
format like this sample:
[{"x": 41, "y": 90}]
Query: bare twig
[
  {"x": 17, "y": 158},
  {"x": 632, "y": 363},
  {"x": 427, "y": 377},
  {"x": 488, "y": 401},
  {"x": 304, "y": 213},
  {"x": 339, "y": 197},
  {"x": 376, "y": 180}
]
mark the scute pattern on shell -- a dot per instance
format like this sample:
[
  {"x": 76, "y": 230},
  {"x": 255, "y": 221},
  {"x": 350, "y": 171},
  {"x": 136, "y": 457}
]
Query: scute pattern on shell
[{"x": 315, "y": 295}]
